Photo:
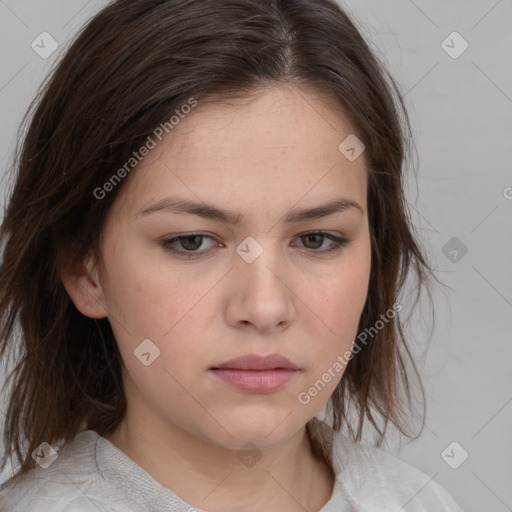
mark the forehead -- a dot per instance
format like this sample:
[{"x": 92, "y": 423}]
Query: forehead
[
  {"x": 275, "y": 142},
  {"x": 270, "y": 117}
]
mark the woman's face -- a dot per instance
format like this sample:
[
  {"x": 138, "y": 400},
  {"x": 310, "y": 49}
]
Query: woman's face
[{"x": 252, "y": 283}]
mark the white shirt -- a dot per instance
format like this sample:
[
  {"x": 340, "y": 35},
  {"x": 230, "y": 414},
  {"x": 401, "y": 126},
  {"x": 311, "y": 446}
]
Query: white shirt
[{"x": 91, "y": 475}]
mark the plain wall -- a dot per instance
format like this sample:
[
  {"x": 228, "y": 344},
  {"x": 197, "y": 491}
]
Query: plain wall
[{"x": 461, "y": 110}]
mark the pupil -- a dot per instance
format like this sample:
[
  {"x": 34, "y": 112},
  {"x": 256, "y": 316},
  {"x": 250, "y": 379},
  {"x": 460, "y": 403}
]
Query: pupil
[
  {"x": 190, "y": 239},
  {"x": 309, "y": 237}
]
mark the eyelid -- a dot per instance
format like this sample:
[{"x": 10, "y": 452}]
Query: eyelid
[{"x": 338, "y": 243}]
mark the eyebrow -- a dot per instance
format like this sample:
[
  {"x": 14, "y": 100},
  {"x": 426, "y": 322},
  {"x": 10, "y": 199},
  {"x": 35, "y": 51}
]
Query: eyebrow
[{"x": 186, "y": 206}]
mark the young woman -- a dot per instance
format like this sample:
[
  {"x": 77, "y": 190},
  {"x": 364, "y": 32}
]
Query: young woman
[{"x": 206, "y": 243}]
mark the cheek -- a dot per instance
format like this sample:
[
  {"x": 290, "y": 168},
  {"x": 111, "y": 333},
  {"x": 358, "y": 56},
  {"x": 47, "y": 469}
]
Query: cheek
[
  {"x": 344, "y": 293},
  {"x": 147, "y": 301},
  {"x": 340, "y": 307},
  {"x": 160, "y": 305},
  {"x": 146, "y": 297},
  {"x": 337, "y": 306}
]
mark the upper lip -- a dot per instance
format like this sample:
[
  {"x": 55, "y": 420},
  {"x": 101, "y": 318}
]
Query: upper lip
[{"x": 257, "y": 362}]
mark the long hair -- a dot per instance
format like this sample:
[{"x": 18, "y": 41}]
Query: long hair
[{"x": 130, "y": 68}]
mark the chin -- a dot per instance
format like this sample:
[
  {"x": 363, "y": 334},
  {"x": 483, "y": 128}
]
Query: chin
[{"x": 258, "y": 429}]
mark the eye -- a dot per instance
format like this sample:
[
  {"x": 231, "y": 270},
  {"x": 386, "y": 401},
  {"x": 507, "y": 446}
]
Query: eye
[
  {"x": 337, "y": 242},
  {"x": 188, "y": 245}
]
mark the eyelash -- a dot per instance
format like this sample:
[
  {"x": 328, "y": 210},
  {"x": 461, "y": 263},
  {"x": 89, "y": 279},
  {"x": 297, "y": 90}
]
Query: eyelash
[{"x": 338, "y": 244}]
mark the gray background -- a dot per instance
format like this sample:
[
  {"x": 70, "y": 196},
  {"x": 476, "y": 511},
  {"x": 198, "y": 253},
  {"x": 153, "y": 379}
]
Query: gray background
[{"x": 461, "y": 110}]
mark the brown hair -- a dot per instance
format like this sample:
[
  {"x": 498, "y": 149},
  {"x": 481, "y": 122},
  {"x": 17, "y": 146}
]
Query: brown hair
[{"x": 126, "y": 72}]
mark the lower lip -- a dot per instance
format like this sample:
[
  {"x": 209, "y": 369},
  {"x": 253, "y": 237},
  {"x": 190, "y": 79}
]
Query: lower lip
[{"x": 255, "y": 381}]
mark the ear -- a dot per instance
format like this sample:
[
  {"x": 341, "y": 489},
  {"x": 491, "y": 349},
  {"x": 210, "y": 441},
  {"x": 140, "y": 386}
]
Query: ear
[{"x": 81, "y": 281}]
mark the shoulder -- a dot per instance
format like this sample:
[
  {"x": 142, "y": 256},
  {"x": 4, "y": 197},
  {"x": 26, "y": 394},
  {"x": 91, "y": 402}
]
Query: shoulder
[
  {"x": 374, "y": 479},
  {"x": 71, "y": 483}
]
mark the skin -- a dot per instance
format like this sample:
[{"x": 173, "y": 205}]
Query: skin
[{"x": 262, "y": 157}]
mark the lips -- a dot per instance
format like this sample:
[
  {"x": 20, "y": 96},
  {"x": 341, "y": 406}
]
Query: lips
[
  {"x": 256, "y": 374},
  {"x": 257, "y": 362}
]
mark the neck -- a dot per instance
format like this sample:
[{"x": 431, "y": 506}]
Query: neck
[{"x": 211, "y": 477}]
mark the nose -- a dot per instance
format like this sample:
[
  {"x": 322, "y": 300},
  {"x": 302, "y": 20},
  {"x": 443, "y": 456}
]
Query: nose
[{"x": 261, "y": 297}]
